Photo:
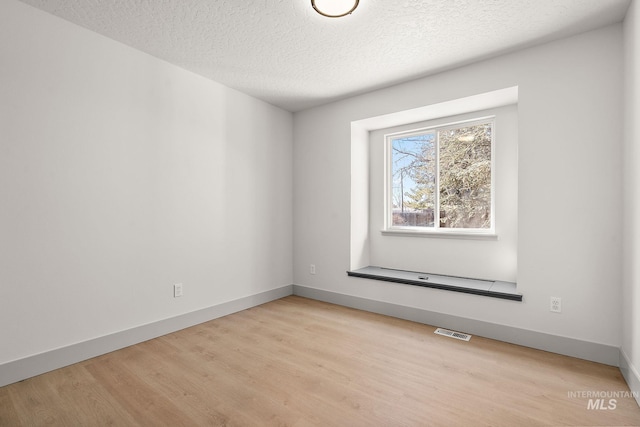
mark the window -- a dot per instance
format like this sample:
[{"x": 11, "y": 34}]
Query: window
[{"x": 440, "y": 179}]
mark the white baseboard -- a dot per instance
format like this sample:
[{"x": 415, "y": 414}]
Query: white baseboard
[
  {"x": 630, "y": 374},
  {"x": 601, "y": 353},
  {"x": 27, "y": 367}
]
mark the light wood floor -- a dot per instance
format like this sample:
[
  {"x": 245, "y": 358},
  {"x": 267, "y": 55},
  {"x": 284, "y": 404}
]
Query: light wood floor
[{"x": 300, "y": 362}]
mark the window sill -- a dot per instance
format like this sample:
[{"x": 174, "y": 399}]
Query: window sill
[
  {"x": 488, "y": 288},
  {"x": 439, "y": 234}
]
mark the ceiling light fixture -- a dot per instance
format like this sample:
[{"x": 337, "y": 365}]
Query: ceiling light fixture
[{"x": 334, "y": 8}]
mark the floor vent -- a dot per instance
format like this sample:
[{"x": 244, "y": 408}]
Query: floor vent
[{"x": 453, "y": 334}]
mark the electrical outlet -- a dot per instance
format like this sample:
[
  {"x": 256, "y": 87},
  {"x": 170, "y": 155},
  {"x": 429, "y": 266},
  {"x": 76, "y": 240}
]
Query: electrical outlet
[
  {"x": 556, "y": 305},
  {"x": 177, "y": 290},
  {"x": 312, "y": 269}
]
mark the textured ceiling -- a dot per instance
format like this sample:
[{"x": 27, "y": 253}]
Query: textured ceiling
[{"x": 285, "y": 53}]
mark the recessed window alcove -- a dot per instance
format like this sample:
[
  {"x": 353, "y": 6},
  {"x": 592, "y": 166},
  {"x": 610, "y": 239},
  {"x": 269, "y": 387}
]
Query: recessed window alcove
[{"x": 364, "y": 227}]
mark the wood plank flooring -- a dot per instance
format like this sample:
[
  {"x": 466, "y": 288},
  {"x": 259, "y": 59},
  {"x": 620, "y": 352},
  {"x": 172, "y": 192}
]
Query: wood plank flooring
[{"x": 299, "y": 362}]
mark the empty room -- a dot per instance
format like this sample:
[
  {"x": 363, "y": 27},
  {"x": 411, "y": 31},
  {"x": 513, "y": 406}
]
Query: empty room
[{"x": 331, "y": 213}]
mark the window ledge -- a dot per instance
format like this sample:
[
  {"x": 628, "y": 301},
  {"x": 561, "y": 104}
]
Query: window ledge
[
  {"x": 438, "y": 234},
  {"x": 488, "y": 288}
]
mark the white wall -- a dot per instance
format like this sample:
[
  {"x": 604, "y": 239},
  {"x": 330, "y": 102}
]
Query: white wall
[
  {"x": 569, "y": 189},
  {"x": 121, "y": 175},
  {"x": 631, "y": 223}
]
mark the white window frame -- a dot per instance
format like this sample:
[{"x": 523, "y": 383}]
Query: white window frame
[{"x": 436, "y": 230}]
